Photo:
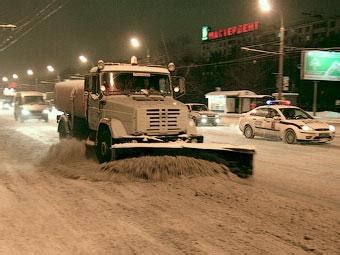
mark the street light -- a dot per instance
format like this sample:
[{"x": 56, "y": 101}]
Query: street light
[
  {"x": 83, "y": 59},
  {"x": 30, "y": 72},
  {"x": 135, "y": 43},
  {"x": 15, "y": 76},
  {"x": 50, "y": 68},
  {"x": 266, "y": 7},
  {"x": 4, "y": 79}
]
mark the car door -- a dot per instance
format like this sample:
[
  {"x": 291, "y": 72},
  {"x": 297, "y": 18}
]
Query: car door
[
  {"x": 271, "y": 123},
  {"x": 257, "y": 119}
]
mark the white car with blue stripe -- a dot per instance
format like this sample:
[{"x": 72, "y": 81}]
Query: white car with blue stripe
[{"x": 289, "y": 123}]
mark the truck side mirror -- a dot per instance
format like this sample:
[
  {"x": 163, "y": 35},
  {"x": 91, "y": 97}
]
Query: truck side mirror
[{"x": 178, "y": 86}]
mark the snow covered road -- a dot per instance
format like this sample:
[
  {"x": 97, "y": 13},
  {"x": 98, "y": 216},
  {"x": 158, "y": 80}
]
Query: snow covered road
[{"x": 290, "y": 206}]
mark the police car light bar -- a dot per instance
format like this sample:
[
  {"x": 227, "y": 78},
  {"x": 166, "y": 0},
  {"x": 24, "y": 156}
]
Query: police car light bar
[{"x": 278, "y": 102}]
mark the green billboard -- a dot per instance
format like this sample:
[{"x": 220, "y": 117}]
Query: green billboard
[{"x": 320, "y": 65}]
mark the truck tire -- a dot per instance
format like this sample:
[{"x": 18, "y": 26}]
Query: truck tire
[
  {"x": 104, "y": 142},
  {"x": 63, "y": 134}
]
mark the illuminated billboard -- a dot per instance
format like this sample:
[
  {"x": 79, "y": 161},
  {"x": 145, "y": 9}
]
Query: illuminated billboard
[
  {"x": 229, "y": 31},
  {"x": 320, "y": 65}
]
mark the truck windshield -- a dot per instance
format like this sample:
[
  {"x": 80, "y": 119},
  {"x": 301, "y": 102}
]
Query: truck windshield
[
  {"x": 33, "y": 100},
  {"x": 135, "y": 83}
]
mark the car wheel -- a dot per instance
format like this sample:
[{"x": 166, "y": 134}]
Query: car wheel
[
  {"x": 21, "y": 118},
  {"x": 103, "y": 148},
  {"x": 290, "y": 136},
  {"x": 248, "y": 132}
]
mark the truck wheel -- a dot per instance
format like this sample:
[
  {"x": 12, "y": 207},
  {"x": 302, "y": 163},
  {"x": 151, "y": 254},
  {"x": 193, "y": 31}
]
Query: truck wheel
[
  {"x": 104, "y": 143},
  {"x": 63, "y": 134},
  {"x": 290, "y": 136},
  {"x": 248, "y": 132}
]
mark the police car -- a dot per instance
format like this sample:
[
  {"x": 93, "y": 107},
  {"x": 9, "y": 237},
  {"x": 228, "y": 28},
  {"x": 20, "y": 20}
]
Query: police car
[
  {"x": 289, "y": 123},
  {"x": 201, "y": 115}
]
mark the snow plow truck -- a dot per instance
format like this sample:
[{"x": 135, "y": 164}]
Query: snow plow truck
[{"x": 130, "y": 110}]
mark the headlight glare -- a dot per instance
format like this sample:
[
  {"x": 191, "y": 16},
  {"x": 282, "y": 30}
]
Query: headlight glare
[
  {"x": 306, "y": 128},
  {"x": 25, "y": 112},
  {"x": 331, "y": 128}
]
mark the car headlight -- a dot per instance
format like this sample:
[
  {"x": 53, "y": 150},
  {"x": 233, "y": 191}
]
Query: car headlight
[
  {"x": 306, "y": 128},
  {"x": 45, "y": 111},
  {"x": 331, "y": 128},
  {"x": 204, "y": 120},
  {"x": 25, "y": 112}
]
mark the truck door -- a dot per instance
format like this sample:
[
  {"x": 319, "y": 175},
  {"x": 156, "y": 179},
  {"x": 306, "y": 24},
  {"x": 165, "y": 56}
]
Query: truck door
[{"x": 93, "y": 102}]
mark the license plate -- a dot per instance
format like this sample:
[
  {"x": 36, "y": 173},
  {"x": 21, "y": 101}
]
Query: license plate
[{"x": 324, "y": 135}]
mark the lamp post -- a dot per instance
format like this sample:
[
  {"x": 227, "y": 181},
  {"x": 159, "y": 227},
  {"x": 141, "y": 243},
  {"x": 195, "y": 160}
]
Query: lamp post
[
  {"x": 51, "y": 70},
  {"x": 30, "y": 73},
  {"x": 135, "y": 43},
  {"x": 265, "y": 6}
]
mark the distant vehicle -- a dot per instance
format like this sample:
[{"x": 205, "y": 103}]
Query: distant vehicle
[
  {"x": 30, "y": 105},
  {"x": 8, "y": 96},
  {"x": 289, "y": 123},
  {"x": 202, "y": 116}
]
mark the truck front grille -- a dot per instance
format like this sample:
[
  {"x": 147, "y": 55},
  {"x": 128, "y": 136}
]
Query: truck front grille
[{"x": 162, "y": 121}]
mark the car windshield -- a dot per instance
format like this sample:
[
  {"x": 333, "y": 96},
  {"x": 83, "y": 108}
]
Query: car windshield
[
  {"x": 34, "y": 100},
  {"x": 135, "y": 83},
  {"x": 295, "y": 113},
  {"x": 199, "y": 107}
]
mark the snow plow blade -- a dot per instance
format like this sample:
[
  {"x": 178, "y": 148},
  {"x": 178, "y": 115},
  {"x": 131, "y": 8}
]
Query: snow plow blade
[{"x": 239, "y": 160}]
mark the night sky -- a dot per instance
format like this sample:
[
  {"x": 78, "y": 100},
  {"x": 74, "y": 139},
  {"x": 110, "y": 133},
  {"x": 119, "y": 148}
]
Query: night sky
[{"x": 57, "y": 31}]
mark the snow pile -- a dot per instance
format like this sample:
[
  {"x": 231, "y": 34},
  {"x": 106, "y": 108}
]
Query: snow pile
[
  {"x": 66, "y": 151},
  {"x": 160, "y": 168},
  {"x": 327, "y": 114},
  {"x": 68, "y": 159}
]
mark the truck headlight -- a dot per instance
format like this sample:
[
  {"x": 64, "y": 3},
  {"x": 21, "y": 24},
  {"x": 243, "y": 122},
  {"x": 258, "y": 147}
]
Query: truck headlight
[
  {"x": 217, "y": 120},
  {"x": 45, "y": 111},
  {"x": 331, "y": 128},
  {"x": 25, "y": 112},
  {"x": 306, "y": 128},
  {"x": 204, "y": 120}
]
